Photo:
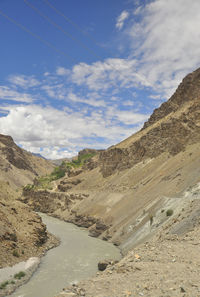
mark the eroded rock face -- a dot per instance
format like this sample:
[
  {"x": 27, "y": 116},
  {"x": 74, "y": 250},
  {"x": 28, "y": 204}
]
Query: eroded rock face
[{"x": 22, "y": 233}]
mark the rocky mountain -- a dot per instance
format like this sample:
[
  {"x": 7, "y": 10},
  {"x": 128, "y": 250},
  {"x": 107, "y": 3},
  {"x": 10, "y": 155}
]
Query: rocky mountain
[
  {"x": 128, "y": 192},
  {"x": 18, "y": 166}
]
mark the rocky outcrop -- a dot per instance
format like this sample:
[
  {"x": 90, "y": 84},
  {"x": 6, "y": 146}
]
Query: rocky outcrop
[
  {"x": 66, "y": 184},
  {"x": 48, "y": 202},
  {"x": 14, "y": 154},
  {"x": 22, "y": 233}
]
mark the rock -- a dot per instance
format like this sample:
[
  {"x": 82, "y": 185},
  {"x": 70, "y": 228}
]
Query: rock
[{"x": 102, "y": 265}]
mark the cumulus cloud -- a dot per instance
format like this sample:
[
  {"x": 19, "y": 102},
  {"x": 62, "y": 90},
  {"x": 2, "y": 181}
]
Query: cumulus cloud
[
  {"x": 61, "y": 133},
  {"x": 121, "y": 19}
]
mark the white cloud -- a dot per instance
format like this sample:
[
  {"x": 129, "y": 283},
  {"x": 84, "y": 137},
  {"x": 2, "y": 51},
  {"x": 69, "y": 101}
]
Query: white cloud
[
  {"x": 89, "y": 101},
  {"x": 7, "y": 93},
  {"x": 110, "y": 73},
  {"x": 61, "y": 133},
  {"x": 126, "y": 117},
  {"x": 23, "y": 81},
  {"x": 62, "y": 71},
  {"x": 121, "y": 19},
  {"x": 166, "y": 42}
]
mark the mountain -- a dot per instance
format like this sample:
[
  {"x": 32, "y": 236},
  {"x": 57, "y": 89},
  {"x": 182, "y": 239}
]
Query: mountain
[
  {"x": 123, "y": 194},
  {"x": 18, "y": 166},
  {"x": 38, "y": 155}
]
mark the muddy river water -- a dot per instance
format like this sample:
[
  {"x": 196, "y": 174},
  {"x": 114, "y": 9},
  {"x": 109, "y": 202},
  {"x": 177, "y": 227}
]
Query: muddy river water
[{"x": 74, "y": 259}]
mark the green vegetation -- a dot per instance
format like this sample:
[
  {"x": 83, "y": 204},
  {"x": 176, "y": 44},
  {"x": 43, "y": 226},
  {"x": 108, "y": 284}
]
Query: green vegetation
[
  {"x": 3, "y": 285},
  {"x": 19, "y": 275},
  {"x": 15, "y": 253},
  {"x": 169, "y": 212},
  {"x": 81, "y": 160},
  {"x": 44, "y": 182},
  {"x": 28, "y": 187}
]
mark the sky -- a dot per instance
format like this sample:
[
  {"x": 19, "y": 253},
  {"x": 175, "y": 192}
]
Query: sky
[{"x": 87, "y": 74}]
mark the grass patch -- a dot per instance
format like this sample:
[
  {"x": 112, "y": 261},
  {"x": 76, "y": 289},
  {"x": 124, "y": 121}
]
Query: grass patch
[{"x": 19, "y": 275}]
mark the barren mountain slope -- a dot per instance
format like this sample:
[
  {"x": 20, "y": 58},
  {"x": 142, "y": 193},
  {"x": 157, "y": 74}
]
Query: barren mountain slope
[
  {"x": 123, "y": 194},
  {"x": 22, "y": 233},
  {"x": 18, "y": 166}
]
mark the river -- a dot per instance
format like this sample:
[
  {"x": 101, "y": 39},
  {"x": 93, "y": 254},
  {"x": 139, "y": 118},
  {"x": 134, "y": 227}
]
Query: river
[{"x": 74, "y": 259}]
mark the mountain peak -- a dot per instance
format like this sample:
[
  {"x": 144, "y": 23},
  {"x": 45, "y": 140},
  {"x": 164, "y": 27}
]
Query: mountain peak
[{"x": 188, "y": 90}]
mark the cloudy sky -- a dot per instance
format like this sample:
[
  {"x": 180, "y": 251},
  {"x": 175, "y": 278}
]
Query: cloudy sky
[{"x": 78, "y": 74}]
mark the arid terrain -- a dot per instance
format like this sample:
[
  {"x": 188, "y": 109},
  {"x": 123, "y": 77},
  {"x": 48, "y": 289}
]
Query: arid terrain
[{"x": 141, "y": 194}]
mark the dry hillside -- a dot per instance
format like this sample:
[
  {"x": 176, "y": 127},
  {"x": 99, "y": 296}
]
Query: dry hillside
[
  {"x": 18, "y": 166},
  {"x": 22, "y": 234},
  {"x": 123, "y": 194}
]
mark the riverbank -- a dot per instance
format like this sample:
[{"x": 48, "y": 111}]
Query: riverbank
[
  {"x": 12, "y": 277},
  {"x": 167, "y": 265}
]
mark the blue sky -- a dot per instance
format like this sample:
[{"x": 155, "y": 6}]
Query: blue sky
[{"x": 78, "y": 74}]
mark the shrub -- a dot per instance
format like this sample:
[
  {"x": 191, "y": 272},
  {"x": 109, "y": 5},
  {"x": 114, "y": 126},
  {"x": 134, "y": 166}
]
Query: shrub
[
  {"x": 28, "y": 187},
  {"x": 57, "y": 173},
  {"x": 15, "y": 253},
  {"x": 169, "y": 212},
  {"x": 151, "y": 219},
  {"x": 19, "y": 275},
  {"x": 3, "y": 285}
]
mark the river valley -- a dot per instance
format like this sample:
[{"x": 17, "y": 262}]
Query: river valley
[{"x": 74, "y": 259}]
